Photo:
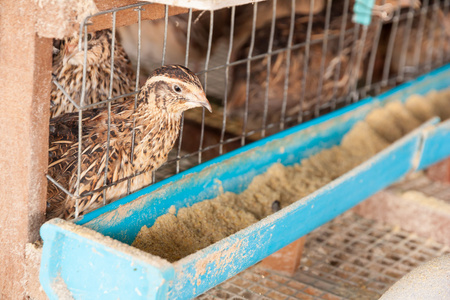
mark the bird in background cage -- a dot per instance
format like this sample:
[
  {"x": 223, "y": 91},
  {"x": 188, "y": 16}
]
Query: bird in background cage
[
  {"x": 68, "y": 63},
  {"x": 330, "y": 73},
  {"x": 428, "y": 41},
  {"x": 152, "y": 39},
  {"x": 168, "y": 92},
  {"x": 152, "y": 36},
  {"x": 264, "y": 13}
]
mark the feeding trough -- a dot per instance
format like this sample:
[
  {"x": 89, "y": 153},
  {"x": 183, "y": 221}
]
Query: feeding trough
[{"x": 92, "y": 256}]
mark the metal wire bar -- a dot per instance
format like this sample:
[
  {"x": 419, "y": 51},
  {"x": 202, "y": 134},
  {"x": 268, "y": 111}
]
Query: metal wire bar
[
  {"x": 342, "y": 35},
  {"x": 431, "y": 36},
  {"x": 80, "y": 122},
  {"x": 227, "y": 69},
  {"x": 446, "y": 15},
  {"x": 288, "y": 64},
  {"x": 274, "y": 52},
  {"x": 391, "y": 82},
  {"x": 138, "y": 71},
  {"x": 351, "y": 239},
  {"x": 391, "y": 43},
  {"x": 109, "y": 100},
  {"x": 117, "y": 9},
  {"x": 374, "y": 51},
  {"x": 65, "y": 93},
  {"x": 186, "y": 62},
  {"x": 406, "y": 33},
  {"x": 208, "y": 57},
  {"x": 374, "y": 87},
  {"x": 280, "y": 50},
  {"x": 443, "y": 42},
  {"x": 166, "y": 24},
  {"x": 188, "y": 38},
  {"x": 306, "y": 62},
  {"x": 269, "y": 62},
  {"x": 348, "y": 88},
  {"x": 60, "y": 186},
  {"x": 361, "y": 43},
  {"x": 423, "y": 16},
  {"x": 357, "y": 93},
  {"x": 111, "y": 83},
  {"x": 247, "y": 88},
  {"x": 323, "y": 57}
]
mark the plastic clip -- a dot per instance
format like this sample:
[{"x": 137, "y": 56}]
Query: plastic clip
[{"x": 362, "y": 11}]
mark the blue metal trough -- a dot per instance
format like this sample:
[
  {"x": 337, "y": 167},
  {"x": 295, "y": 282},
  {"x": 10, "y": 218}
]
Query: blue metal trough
[{"x": 92, "y": 257}]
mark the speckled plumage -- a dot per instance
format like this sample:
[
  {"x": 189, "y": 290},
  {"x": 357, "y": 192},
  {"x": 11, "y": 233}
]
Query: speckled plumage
[
  {"x": 153, "y": 32},
  {"x": 153, "y": 38},
  {"x": 433, "y": 43},
  {"x": 337, "y": 61},
  {"x": 157, "y": 118},
  {"x": 68, "y": 70}
]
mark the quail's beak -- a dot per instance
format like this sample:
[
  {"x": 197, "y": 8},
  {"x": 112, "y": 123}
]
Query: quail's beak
[
  {"x": 200, "y": 100},
  {"x": 70, "y": 50}
]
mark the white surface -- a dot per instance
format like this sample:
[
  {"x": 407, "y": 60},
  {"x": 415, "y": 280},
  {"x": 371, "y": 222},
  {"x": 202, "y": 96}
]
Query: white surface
[
  {"x": 429, "y": 281},
  {"x": 205, "y": 4}
]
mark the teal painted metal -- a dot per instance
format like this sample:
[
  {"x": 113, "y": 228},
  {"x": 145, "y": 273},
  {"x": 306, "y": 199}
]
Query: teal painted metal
[
  {"x": 436, "y": 145},
  {"x": 81, "y": 263},
  {"x": 198, "y": 272},
  {"x": 333, "y": 137},
  {"x": 436, "y": 80},
  {"x": 232, "y": 174},
  {"x": 87, "y": 263},
  {"x": 362, "y": 11}
]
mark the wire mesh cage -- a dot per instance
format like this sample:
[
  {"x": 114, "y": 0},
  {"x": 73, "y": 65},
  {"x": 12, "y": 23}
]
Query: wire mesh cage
[
  {"x": 264, "y": 66},
  {"x": 349, "y": 257}
]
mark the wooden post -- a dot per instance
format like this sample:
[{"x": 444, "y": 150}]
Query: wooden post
[
  {"x": 287, "y": 259},
  {"x": 59, "y": 19},
  {"x": 25, "y": 68},
  {"x": 440, "y": 171}
]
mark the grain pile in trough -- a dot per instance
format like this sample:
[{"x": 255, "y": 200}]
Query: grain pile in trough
[{"x": 174, "y": 236}]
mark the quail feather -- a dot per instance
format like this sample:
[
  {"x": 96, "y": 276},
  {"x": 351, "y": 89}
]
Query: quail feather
[
  {"x": 331, "y": 70},
  {"x": 424, "y": 39},
  {"x": 67, "y": 67},
  {"x": 167, "y": 93}
]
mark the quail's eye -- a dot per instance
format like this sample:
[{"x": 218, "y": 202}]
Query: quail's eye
[
  {"x": 176, "y": 88},
  {"x": 89, "y": 37}
]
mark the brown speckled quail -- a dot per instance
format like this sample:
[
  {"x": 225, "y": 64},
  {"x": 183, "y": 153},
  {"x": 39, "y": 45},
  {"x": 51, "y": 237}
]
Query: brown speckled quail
[
  {"x": 168, "y": 92},
  {"x": 152, "y": 38},
  {"x": 153, "y": 32},
  {"x": 68, "y": 70},
  {"x": 428, "y": 41},
  {"x": 339, "y": 63}
]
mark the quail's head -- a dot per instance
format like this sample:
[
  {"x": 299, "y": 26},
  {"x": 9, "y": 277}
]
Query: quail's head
[
  {"x": 98, "y": 49},
  {"x": 175, "y": 89}
]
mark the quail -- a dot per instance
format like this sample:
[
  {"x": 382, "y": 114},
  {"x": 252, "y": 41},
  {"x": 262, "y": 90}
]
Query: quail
[
  {"x": 428, "y": 41},
  {"x": 152, "y": 38},
  {"x": 168, "y": 92},
  {"x": 329, "y": 75},
  {"x": 177, "y": 31},
  {"x": 67, "y": 67}
]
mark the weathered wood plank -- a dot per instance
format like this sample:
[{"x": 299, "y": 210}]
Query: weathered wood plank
[
  {"x": 25, "y": 65},
  {"x": 130, "y": 16}
]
